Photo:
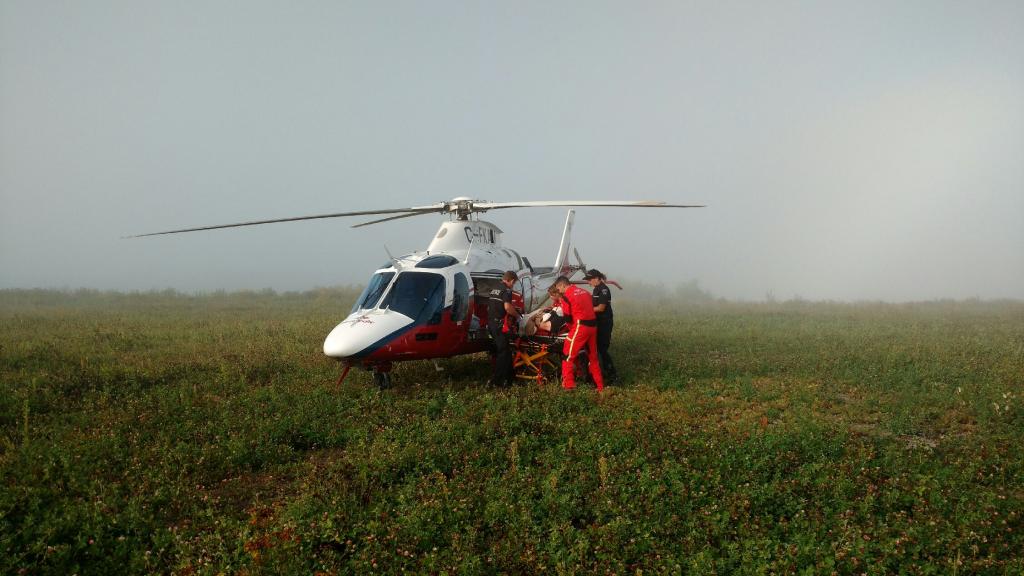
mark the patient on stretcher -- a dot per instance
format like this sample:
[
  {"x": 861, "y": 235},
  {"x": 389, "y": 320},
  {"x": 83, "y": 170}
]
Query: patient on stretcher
[{"x": 549, "y": 322}]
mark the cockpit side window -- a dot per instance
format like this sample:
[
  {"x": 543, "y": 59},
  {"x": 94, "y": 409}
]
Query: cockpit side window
[
  {"x": 374, "y": 290},
  {"x": 418, "y": 295}
]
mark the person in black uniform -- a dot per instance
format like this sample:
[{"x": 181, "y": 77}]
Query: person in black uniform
[
  {"x": 502, "y": 319},
  {"x": 602, "y": 298}
]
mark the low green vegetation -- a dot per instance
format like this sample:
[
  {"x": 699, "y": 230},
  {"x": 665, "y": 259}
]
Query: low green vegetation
[{"x": 164, "y": 433}]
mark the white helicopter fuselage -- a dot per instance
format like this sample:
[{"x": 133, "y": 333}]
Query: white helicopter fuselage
[{"x": 432, "y": 304}]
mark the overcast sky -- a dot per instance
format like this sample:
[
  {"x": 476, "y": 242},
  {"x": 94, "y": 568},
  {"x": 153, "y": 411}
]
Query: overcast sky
[{"x": 858, "y": 150}]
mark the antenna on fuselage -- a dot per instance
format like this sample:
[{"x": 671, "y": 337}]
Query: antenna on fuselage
[{"x": 394, "y": 261}]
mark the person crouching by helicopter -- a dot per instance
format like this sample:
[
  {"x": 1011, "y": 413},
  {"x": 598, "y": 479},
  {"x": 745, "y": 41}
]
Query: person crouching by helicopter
[
  {"x": 502, "y": 318},
  {"x": 577, "y": 303},
  {"x": 602, "y": 299}
]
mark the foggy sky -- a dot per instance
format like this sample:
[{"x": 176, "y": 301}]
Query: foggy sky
[{"x": 845, "y": 150}]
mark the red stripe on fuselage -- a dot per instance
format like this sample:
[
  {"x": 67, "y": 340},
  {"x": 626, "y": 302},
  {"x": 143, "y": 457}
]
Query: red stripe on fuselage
[{"x": 452, "y": 339}]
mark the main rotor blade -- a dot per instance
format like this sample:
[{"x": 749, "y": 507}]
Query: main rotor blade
[
  {"x": 416, "y": 209},
  {"x": 600, "y": 203},
  {"x": 400, "y": 216}
]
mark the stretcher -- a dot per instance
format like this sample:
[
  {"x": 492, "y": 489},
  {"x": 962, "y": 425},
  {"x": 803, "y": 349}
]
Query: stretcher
[{"x": 538, "y": 358}]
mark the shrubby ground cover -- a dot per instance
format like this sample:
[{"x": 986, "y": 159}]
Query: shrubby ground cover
[{"x": 166, "y": 433}]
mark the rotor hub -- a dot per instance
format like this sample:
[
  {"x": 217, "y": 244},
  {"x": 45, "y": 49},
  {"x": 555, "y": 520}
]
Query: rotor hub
[{"x": 461, "y": 207}]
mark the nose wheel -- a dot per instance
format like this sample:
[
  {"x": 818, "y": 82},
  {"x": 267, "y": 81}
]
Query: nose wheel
[{"x": 382, "y": 380}]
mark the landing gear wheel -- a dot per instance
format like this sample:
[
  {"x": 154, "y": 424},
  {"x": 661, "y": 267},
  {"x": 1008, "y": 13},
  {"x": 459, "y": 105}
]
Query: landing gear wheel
[{"x": 382, "y": 380}]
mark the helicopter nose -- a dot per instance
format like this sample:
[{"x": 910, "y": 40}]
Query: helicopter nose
[{"x": 363, "y": 332}]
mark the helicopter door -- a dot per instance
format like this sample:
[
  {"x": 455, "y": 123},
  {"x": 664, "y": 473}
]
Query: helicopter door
[
  {"x": 525, "y": 287},
  {"x": 460, "y": 298}
]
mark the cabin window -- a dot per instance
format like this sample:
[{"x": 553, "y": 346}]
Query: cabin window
[
  {"x": 418, "y": 295},
  {"x": 373, "y": 291},
  {"x": 492, "y": 236},
  {"x": 460, "y": 299}
]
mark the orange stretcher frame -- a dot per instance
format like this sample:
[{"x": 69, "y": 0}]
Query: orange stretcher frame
[{"x": 537, "y": 358}]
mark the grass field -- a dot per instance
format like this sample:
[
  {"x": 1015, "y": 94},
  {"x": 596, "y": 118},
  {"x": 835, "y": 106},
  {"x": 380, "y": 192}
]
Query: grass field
[{"x": 145, "y": 433}]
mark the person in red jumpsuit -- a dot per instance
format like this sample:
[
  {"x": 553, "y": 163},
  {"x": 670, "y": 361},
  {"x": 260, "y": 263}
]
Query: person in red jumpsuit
[{"x": 582, "y": 332}]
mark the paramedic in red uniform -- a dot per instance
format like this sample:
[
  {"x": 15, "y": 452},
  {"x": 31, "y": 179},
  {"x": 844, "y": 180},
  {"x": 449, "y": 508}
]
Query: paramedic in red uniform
[
  {"x": 582, "y": 332},
  {"x": 501, "y": 317}
]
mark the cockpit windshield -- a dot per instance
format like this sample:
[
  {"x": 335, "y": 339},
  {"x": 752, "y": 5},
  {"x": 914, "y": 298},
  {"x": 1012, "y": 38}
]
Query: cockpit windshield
[
  {"x": 418, "y": 295},
  {"x": 374, "y": 289}
]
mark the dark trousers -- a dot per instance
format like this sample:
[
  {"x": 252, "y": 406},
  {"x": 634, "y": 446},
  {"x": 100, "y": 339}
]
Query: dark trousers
[
  {"x": 502, "y": 357},
  {"x": 604, "y": 340}
]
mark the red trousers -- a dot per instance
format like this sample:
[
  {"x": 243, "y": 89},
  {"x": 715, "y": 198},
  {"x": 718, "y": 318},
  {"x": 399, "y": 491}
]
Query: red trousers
[{"x": 581, "y": 337}]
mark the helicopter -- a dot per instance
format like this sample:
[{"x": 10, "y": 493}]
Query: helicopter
[{"x": 432, "y": 303}]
